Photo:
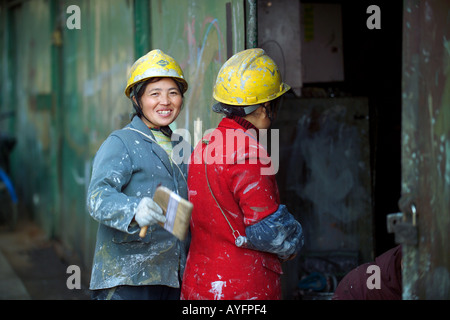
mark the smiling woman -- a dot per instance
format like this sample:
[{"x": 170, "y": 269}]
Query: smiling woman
[
  {"x": 160, "y": 100},
  {"x": 129, "y": 166}
]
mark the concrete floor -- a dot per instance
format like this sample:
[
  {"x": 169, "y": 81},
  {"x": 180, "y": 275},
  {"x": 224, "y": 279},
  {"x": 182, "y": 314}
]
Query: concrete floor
[{"x": 31, "y": 267}]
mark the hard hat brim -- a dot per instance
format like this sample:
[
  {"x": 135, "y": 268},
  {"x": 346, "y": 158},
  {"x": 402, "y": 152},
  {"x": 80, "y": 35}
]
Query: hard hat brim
[
  {"x": 243, "y": 110},
  {"x": 183, "y": 82},
  {"x": 155, "y": 64}
]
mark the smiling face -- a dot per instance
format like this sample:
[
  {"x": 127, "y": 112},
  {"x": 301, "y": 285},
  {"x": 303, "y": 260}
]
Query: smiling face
[{"x": 161, "y": 102}]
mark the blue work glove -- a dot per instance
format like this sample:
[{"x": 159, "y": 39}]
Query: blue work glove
[{"x": 278, "y": 233}]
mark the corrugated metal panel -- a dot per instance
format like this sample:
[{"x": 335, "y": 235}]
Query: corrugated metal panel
[
  {"x": 66, "y": 86},
  {"x": 426, "y": 150},
  {"x": 95, "y": 63},
  {"x": 196, "y": 34},
  {"x": 68, "y": 96},
  {"x": 32, "y": 98}
]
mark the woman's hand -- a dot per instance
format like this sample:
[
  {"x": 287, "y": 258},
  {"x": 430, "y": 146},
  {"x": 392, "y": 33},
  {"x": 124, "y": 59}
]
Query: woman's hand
[{"x": 149, "y": 212}]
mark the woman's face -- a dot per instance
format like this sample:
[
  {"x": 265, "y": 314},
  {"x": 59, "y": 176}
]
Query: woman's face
[{"x": 161, "y": 102}]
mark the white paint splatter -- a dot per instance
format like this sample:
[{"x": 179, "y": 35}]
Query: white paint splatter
[
  {"x": 250, "y": 186},
  {"x": 216, "y": 289}
]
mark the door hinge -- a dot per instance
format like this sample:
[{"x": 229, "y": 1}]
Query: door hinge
[{"x": 404, "y": 225}]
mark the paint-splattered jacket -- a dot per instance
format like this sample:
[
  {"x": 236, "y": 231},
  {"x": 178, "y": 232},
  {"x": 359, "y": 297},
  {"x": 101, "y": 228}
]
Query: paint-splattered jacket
[
  {"x": 127, "y": 167},
  {"x": 216, "y": 268}
]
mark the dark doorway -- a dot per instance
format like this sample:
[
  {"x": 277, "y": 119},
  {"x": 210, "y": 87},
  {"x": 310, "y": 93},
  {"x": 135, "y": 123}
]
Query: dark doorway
[
  {"x": 372, "y": 69},
  {"x": 373, "y": 66}
]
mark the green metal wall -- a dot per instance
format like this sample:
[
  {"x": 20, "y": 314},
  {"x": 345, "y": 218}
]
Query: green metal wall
[
  {"x": 66, "y": 88},
  {"x": 196, "y": 35},
  {"x": 94, "y": 62},
  {"x": 425, "y": 201},
  {"x": 27, "y": 91}
]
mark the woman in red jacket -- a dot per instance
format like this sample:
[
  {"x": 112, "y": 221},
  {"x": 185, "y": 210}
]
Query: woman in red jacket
[{"x": 240, "y": 232}]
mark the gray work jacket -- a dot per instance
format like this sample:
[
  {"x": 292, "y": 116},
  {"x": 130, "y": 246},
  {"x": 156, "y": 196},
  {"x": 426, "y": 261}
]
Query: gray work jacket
[{"x": 127, "y": 167}]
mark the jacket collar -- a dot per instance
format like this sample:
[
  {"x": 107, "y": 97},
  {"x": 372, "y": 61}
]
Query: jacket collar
[
  {"x": 242, "y": 124},
  {"x": 138, "y": 124}
]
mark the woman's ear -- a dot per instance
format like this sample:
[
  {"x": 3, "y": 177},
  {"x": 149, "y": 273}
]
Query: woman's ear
[{"x": 134, "y": 99}]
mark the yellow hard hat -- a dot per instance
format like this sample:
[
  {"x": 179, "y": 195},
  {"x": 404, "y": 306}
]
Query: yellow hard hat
[
  {"x": 249, "y": 77},
  {"x": 155, "y": 64}
]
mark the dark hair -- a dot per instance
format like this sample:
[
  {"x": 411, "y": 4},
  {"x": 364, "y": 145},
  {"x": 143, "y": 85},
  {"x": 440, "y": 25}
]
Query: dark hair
[{"x": 240, "y": 111}]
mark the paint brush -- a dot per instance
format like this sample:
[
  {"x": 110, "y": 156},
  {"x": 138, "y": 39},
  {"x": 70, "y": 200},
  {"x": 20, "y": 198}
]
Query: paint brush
[{"x": 177, "y": 211}]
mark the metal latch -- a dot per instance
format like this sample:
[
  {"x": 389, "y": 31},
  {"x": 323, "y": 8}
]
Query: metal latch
[{"x": 404, "y": 226}]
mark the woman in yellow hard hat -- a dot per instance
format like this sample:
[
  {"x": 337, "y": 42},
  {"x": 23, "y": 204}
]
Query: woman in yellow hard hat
[
  {"x": 128, "y": 167},
  {"x": 246, "y": 82},
  {"x": 239, "y": 229}
]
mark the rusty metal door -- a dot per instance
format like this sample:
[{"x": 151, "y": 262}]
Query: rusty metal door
[{"x": 424, "y": 227}]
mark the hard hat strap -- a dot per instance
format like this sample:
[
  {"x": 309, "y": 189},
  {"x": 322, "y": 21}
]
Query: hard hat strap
[
  {"x": 136, "y": 104},
  {"x": 273, "y": 110}
]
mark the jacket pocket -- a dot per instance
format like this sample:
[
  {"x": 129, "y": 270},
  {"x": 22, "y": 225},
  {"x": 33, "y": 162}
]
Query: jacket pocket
[
  {"x": 123, "y": 237},
  {"x": 272, "y": 263}
]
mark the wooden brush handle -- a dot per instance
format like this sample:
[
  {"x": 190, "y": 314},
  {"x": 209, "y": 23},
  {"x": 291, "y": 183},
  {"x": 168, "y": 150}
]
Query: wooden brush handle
[{"x": 143, "y": 232}]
